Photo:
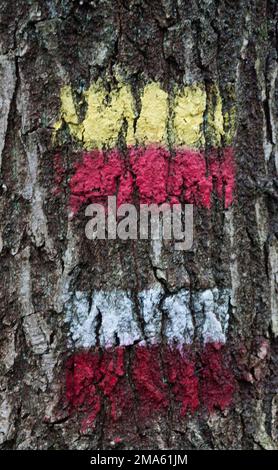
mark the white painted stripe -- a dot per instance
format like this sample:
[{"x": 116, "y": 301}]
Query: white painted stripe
[
  {"x": 179, "y": 324},
  {"x": 211, "y": 309},
  {"x": 149, "y": 301},
  {"x": 112, "y": 318}
]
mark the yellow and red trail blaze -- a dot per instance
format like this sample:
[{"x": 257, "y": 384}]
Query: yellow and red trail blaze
[{"x": 164, "y": 161}]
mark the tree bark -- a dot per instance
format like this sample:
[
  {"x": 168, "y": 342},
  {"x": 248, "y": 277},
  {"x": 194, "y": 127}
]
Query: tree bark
[{"x": 46, "y": 45}]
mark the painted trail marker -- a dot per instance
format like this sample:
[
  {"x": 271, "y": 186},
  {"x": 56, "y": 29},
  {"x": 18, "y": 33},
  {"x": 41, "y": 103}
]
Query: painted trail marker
[{"x": 141, "y": 352}]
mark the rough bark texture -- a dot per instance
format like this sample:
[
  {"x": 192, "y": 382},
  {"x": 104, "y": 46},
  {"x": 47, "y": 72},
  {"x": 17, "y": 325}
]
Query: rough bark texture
[{"x": 47, "y": 44}]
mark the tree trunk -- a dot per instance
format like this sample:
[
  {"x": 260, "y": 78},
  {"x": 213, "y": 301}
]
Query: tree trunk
[{"x": 70, "y": 377}]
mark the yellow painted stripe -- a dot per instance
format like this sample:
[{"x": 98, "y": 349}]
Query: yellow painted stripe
[
  {"x": 106, "y": 115},
  {"x": 68, "y": 114},
  {"x": 192, "y": 117},
  {"x": 152, "y": 123},
  {"x": 189, "y": 109},
  {"x": 215, "y": 121}
]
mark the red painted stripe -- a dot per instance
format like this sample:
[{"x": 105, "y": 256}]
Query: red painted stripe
[
  {"x": 183, "y": 379},
  {"x": 160, "y": 376},
  {"x": 152, "y": 175},
  {"x": 217, "y": 384}
]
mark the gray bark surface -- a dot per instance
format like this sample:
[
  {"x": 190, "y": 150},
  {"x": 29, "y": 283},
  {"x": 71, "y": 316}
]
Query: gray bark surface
[{"x": 45, "y": 44}]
